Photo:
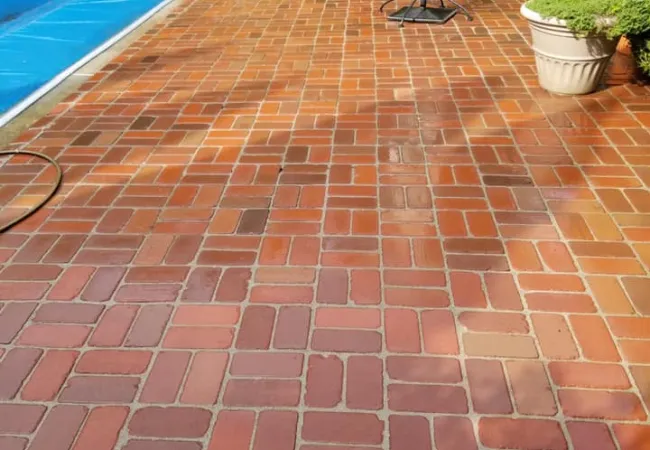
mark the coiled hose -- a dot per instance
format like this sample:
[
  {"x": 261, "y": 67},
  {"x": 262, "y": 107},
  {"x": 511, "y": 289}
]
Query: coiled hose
[{"x": 55, "y": 187}]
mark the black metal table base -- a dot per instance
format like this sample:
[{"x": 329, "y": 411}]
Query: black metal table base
[{"x": 423, "y": 14}]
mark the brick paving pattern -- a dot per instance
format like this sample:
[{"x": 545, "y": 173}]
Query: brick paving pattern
[{"x": 292, "y": 226}]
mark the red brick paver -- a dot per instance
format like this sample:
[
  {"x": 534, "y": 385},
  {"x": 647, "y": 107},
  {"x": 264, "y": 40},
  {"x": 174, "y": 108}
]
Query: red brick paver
[{"x": 290, "y": 225}]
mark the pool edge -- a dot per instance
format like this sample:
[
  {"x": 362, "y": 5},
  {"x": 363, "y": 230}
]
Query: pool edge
[{"x": 38, "y": 94}]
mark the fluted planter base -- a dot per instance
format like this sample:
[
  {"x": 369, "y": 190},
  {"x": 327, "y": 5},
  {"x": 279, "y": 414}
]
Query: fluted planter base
[{"x": 567, "y": 64}]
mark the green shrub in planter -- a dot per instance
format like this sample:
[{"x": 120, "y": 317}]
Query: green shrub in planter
[
  {"x": 583, "y": 17},
  {"x": 630, "y": 18},
  {"x": 633, "y": 21}
]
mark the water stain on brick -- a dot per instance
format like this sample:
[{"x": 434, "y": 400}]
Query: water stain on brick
[
  {"x": 502, "y": 180},
  {"x": 638, "y": 290},
  {"x": 480, "y": 246},
  {"x": 170, "y": 422},
  {"x": 245, "y": 202},
  {"x": 352, "y": 202},
  {"x": 142, "y": 123},
  {"x": 302, "y": 178},
  {"x": 100, "y": 389},
  {"x": 297, "y": 154},
  {"x": 20, "y": 419},
  {"x": 253, "y": 221},
  {"x": 150, "y": 59},
  {"x": 136, "y": 444},
  {"x": 86, "y": 138}
]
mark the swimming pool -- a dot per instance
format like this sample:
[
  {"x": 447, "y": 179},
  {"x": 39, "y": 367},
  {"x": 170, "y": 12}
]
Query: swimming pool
[
  {"x": 12, "y": 9},
  {"x": 44, "y": 41}
]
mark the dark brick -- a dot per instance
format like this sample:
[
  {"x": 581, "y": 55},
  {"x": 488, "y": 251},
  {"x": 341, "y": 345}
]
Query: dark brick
[{"x": 253, "y": 221}]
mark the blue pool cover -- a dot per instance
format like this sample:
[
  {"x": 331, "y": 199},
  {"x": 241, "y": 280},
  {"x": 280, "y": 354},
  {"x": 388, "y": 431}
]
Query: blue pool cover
[
  {"x": 39, "y": 39},
  {"x": 11, "y": 9}
]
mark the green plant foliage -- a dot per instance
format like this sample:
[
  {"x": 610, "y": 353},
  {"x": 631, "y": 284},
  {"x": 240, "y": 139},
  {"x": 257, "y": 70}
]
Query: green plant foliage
[
  {"x": 581, "y": 16},
  {"x": 631, "y": 18},
  {"x": 641, "y": 49},
  {"x": 633, "y": 21},
  {"x": 643, "y": 58}
]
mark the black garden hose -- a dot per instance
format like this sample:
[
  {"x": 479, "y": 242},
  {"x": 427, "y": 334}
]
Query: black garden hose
[{"x": 55, "y": 187}]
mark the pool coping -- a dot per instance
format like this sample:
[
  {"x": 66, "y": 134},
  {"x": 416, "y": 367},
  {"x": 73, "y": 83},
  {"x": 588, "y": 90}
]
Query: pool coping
[{"x": 17, "y": 110}]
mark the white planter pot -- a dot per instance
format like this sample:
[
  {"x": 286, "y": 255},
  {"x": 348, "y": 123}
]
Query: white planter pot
[{"x": 567, "y": 64}]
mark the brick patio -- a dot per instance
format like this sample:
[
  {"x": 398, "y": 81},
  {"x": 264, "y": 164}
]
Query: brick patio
[{"x": 305, "y": 229}]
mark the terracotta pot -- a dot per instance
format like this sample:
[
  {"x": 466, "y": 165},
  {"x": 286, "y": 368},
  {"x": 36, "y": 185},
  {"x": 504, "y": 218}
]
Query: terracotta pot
[{"x": 622, "y": 68}]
